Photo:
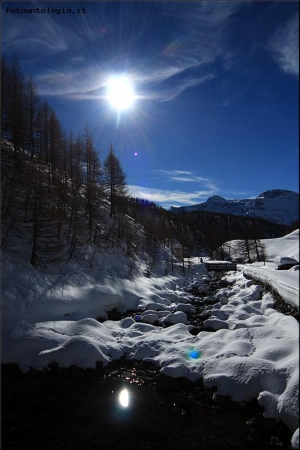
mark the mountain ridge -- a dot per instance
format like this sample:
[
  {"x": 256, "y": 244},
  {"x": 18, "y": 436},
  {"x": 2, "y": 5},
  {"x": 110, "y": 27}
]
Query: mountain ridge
[{"x": 277, "y": 205}]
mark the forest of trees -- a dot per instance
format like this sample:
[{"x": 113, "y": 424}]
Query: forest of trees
[
  {"x": 54, "y": 186},
  {"x": 60, "y": 197}
]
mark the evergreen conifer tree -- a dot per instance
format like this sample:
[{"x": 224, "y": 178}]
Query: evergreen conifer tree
[{"x": 114, "y": 180}]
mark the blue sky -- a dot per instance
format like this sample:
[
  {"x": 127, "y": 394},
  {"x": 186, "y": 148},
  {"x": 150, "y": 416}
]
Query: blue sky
[{"x": 216, "y": 89}]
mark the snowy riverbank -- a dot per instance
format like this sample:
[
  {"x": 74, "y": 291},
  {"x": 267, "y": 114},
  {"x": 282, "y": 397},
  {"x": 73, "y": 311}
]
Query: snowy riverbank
[{"x": 252, "y": 354}]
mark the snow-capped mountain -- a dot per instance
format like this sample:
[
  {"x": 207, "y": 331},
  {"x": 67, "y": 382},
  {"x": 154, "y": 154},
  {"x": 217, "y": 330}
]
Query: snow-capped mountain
[{"x": 278, "y": 205}]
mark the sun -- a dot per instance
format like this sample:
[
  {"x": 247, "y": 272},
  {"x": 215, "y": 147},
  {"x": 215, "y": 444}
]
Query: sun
[{"x": 120, "y": 93}]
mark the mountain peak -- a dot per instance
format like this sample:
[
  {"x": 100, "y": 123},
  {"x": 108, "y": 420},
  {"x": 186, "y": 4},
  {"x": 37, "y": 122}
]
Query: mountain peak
[
  {"x": 216, "y": 199},
  {"x": 273, "y": 193},
  {"x": 277, "y": 205}
]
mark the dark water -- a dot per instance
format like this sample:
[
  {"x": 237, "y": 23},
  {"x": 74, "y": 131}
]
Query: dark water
[{"x": 77, "y": 408}]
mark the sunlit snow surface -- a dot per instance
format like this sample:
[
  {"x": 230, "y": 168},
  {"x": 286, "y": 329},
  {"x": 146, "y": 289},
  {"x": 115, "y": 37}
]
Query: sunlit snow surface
[{"x": 253, "y": 354}]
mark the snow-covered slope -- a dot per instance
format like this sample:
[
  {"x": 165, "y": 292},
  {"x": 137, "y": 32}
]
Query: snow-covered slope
[
  {"x": 285, "y": 282},
  {"x": 286, "y": 246},
  {"x": 278, "y": 205}
]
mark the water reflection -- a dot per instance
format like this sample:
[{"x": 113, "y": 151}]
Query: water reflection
[{"x": 124, "y": 398}]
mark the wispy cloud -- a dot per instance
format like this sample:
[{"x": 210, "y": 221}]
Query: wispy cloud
[
  {"x": 285, "y": 47},
  {"x": 37, "y": 33},
  {"x": 176, "y": 197},
  {"x": 168, "y": 198},
  {"x": 185, "y": 176},
  {"x": 202, "y": 40},
  {"x": 208, "y": 25},
  {"x": 172, "y": 93},
  {"x": 167, "y": 69},
  {"x": 181, "y": 58},
  {"x": 205, "y": 187}
]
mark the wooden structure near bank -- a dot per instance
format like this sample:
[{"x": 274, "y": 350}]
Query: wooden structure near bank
[{"x": 219, "y": 266}]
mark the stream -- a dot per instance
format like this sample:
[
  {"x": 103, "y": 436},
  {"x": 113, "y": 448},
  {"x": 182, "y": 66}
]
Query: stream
[{"x": 129, "y": 405}]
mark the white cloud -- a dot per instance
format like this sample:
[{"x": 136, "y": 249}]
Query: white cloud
[
  {"x": 35, "y": 33},
  {"x": 168, "y": 198},
  {"x": 172, "y": 172},
  {"x": 179, "y": 197},
  {"x": 285, "y": 47},
  {"x": 201, "y": 41},
  {"x": 186, "y": 177},
  {"x": 170, "y": 94}
]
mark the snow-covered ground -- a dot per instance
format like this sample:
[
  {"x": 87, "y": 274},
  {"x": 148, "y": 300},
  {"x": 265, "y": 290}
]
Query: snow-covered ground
[
  {"x": 285, "y": 282},
  {"x": 253, "y": 354}
]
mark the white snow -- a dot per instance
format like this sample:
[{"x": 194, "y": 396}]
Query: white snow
[
  {"x": 285, "y": 282},
  {"x": 277, "y": 205},
  {"x": 253, "y": 354}
]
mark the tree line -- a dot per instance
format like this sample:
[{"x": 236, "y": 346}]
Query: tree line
[
  {"x": 58, "y": 192},
  {"x": 32, "y": 126},
  {"x": 54, "y": 185}
]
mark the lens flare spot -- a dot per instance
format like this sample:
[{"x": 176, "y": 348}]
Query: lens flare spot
[
  {"x": 135, "y": 154},
  {"x": 124, "y": 398},
  {"x": 194, "y": 354}
]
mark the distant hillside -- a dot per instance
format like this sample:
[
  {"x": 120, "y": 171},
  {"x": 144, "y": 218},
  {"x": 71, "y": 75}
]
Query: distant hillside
[
  {"x": 52, "y": 215},
  {"x": 277, "y": 205}
]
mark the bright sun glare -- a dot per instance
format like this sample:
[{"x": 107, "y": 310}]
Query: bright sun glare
[
  {"x": 120, "y": 93},
  {"x": 124, "y": 398}
]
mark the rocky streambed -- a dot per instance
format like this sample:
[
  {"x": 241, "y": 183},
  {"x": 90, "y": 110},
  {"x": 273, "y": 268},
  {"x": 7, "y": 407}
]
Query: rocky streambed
[{"x": 80, "y": 408}]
